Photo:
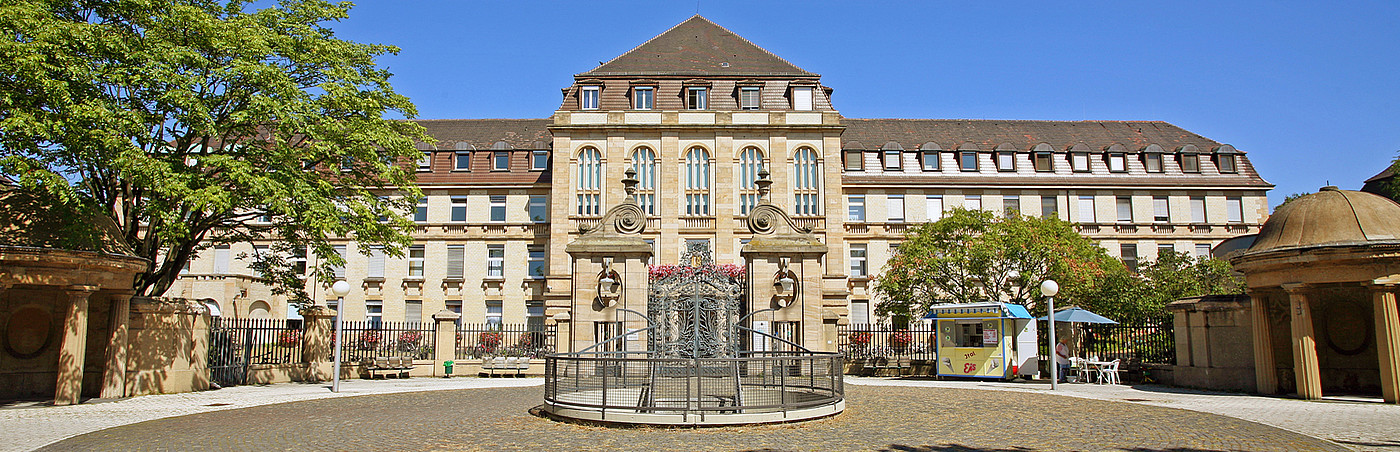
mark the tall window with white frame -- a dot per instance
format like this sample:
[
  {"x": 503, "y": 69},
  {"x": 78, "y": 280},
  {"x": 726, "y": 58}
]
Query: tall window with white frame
[
  {"x": 376, "y": 263},
  {"x": 495, "y": 261},
  {"x": 222, "y": 256},
  {"x": 494, "y": 311},
  {"x": 858, "y": 266},
  {"x": 454, "y": 306},
  {"x": 588, "y": 183},
  {"x": 588, "y": 97},
  {"x": 933, "y": 207},
  {"x": 298, "y": 261},
  {"x": 750, "y": 163},
  {"x": 1234, "y": 209},
  {"x": 644, "y": 163},
  {"x": 413, "y": 311},
  {"x": 536, "y": 267},
  {"x": 459, "y": 209},
  {"x": 338, "y": 271},
  {"x": 539, "y": 208},
  {"x": 498, "y": 208},
  {"x": 416, "y": 254},
  {"x": 456, "y": 262},
  {"x": 374, "y": 313},
  {"x": 420, "y": 211},
  {"x": 697, "y": 182},
  {"x": 1125, "y": 209},
  {"x": 806, "y": 183},
  {"x": 855, "y": 208},
  {"x": 1086, "y": 210},
  {"x": 894, "y": 208},
  {"x": 1128, "y": 252},
  {"x": 1161, "y": 209},
  {"x": 1198, "y": 209}
]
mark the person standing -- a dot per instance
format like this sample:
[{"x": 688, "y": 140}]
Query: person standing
[{"x": 1062, "y": 359}]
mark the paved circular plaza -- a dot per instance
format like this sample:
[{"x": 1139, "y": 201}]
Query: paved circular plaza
[{"x": 876, "y": 418}]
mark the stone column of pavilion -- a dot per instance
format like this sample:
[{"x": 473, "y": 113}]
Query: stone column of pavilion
[
  {"x": 1332, "y": 250},
  {"x": 114, "y": 374},
  {"x": 779, "y": 249},
  {"x": 1265, "y": 376},
  {"x": 609, "y": 276},
  {"x": 1308, "y": 379},
  {"x": 1387, "y": 335}
]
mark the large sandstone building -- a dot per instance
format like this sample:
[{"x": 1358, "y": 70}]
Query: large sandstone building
[{"x": 697, "y": 112}]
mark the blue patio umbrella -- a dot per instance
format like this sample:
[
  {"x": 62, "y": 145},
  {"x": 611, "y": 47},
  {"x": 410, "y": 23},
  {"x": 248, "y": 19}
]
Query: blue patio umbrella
[{"x": 1078, "y": 315}]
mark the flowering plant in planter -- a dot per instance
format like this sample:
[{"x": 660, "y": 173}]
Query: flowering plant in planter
[
  {"x": 289, "y": 338},
  {"x": 410, "y": 337},
  {"x": 900, "y": 339},
  {"x": 490, "y": 340},
  {"x": 860, "y": 339},
  {"x": 369, "y": 340},
  {"x": 659, "y": 272}
]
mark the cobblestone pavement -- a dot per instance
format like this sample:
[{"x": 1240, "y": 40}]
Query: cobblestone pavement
[
  {"x": 1362, "y": 425},
  {"x": 26, "y": 427},
  {"x": 889, "y": 416}
]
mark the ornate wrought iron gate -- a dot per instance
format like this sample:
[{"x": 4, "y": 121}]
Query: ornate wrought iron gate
[{"x": 695, "y": 311}]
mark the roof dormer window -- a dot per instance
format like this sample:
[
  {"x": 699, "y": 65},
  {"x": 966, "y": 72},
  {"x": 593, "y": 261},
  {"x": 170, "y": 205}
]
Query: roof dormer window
[
  {"x": 588, "y": 97},
  {"x": 643, "y": 97},
  {"x": 802, "y": 98},
  {"x": 697, "y": 98},
  {"x": 749, "y": 97}
]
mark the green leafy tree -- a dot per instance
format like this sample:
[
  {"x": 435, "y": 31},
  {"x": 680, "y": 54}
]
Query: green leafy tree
[
  {"x": 973, "y": 255},
  {"x": 1173, "y": 276},
  {"x": 186, "y": 122}
]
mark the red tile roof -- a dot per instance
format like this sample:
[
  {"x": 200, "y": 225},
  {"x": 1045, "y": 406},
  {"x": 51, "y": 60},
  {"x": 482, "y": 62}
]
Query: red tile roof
[{"x": 1021, "y": 134}]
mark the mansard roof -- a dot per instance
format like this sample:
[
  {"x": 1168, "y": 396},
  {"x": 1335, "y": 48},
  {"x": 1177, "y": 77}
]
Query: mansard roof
[
  {"x": 698, "y": 48},
  {"x": 486, "y": 133},
  {"x": 1022, "y": 134}
]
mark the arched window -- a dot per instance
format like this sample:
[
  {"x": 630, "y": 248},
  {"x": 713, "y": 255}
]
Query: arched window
[
  {"x": 588, "y": 183},
  {"x": 750, "y": 162},
  {"x": 806, "y": 182},
  {"x": 697, "y": 182},
  {"x": 644, "y": 163}
]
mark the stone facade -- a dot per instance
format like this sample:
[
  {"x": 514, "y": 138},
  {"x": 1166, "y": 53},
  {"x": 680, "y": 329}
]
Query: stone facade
[{"x": 528, "y": 186}]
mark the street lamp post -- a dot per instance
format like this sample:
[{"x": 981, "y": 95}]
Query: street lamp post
[
  {"x": 1049, "y": 288},
  {"x": 340, "y": 288}
]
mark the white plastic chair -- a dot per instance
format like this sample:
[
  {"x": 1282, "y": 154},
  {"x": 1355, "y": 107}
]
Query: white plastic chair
[{"x": 1108, "y": 373}]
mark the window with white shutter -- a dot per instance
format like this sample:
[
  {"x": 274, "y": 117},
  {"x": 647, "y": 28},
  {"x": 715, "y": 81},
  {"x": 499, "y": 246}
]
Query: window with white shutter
[
  {"x": 376, "y": 262},
  {"x": 1086, "y": 209}
]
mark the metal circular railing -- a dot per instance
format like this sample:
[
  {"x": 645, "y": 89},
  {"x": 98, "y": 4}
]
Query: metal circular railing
[{"x": 637, "y": 387}]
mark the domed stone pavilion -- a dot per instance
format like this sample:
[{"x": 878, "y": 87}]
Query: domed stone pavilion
[{"x": 1323, "y": 274}]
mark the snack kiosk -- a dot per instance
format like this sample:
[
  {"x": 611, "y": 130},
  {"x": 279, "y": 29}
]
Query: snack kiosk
[{"x": 984, "y": 340}]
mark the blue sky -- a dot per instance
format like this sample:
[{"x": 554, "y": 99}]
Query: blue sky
[{"x": 1311, "y": 90}]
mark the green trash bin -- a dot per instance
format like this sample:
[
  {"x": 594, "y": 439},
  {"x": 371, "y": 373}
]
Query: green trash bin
[{"x": 447, "y": 368}]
